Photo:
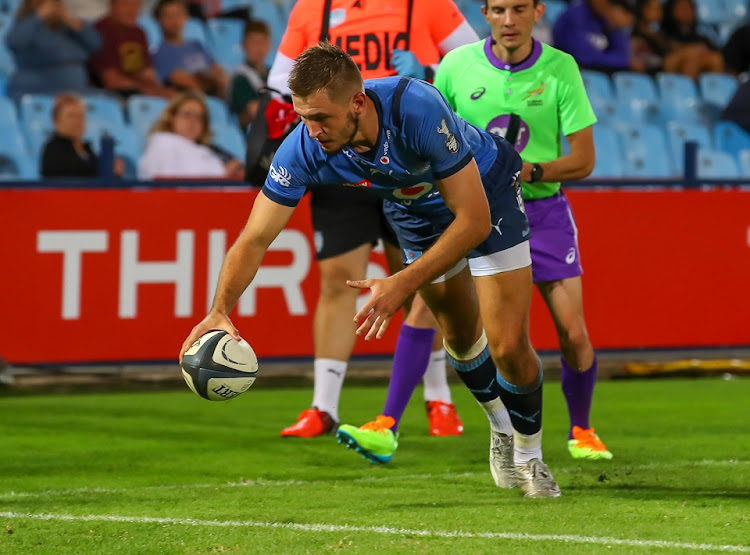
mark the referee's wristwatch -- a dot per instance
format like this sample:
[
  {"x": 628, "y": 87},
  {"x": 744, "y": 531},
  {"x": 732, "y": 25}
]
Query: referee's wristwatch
[{"x": 536, "y": 173}]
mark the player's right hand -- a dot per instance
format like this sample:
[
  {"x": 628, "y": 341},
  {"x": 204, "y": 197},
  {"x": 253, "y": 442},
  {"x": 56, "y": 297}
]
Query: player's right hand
[{"x": 214, "y": 320}]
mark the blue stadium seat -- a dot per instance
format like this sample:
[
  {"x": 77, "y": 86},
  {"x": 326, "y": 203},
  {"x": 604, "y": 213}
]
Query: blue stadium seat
[
  {"x": 473, "y": 14},
  {"x": 271, "y": 14},
  {"x": 8, "y": 115},
  {"x": 597, "y": 84},
  {"x": 226, "y": 41},
  {"x": 217, "y": 111},
  {"x": 637, "y": 97},
  {"x": 730, "y": 137},
  {"x": 104, "y": 107},
  {"x": 680, "y": 132},
  {"x": 553, "y": 10},
  {"x": 152, "y": 30},
  {"x": 7, "y": 62},
  {"x": 143, "y": 111},
  {"x": 745, "y": 162},
  {"x": 717, "y": 88},
  {"x": 3, "y": 84},
  {"x": 230, "y": 138},
  {"x": 605, "y": 110},
  {"x": 37, "y": 107},
  {"x": 735, "y": 11},
  {"x": 646, "y": 153},
  {"x": 609, "y": 159},
  {"x": 196, "y": 30},
  {"x": 8, "y": 8},
  {"x": 37, "y": 133},
  {"x": 15, "y": 160},
  {"x": 127, "y": 143},
  {"x": 710, "y": 11},
  {"x": 714, "y": 164},
  {"x": 679, "y": 97}
]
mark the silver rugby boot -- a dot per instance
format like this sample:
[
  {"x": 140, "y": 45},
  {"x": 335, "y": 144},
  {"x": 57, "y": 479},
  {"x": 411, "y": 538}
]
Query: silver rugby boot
[
  {"x": 536, "y": 480},
  {"x": 501, "y": 460}
]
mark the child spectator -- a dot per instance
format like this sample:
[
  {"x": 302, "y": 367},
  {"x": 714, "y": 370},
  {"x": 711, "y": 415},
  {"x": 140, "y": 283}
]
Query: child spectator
[
  {"x": 178, "y": 145},
  {"x": 123, "y": 64},
  {"x": 50, "y": 47},
  {"x": 185, "y": 64},
  {"x": 251, "y": 76},
  {"x": 66, "y": 154}
]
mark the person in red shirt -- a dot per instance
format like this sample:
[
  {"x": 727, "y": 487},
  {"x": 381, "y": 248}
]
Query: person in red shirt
[
  {"x": 384, "y": 37},
  {"x": 123, "y": 63}
]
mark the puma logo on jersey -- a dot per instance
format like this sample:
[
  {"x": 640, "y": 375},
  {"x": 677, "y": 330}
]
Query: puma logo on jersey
[{"x": 535, "y": 92}]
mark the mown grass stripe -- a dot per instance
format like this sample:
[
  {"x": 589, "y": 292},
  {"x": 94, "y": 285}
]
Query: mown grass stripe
[{"x": 385, "y": 530}]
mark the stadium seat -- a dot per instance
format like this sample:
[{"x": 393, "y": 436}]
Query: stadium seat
[
  {"x": 679, "y": 97},
  {"x": 597, "y": 84},
  {"x": 271, "y": 14},
  {"x": 637, "y": 97},
  {"x": 37, "y": 133},
  {"x": 713, "y": 164},
  {"x": 8, "y": 115},
  {"x": 152, "y": 30},
  {"x": 37, "y": 107},
  {"x": 8, "y": 8},
  {"x": 226, "y": 40},
  {"x": 605, "y": 110},
  {"x": 218, "y": 111},
  {"x": 679, "y": 133},
  {"x": 104, "y": 107},
  {"x": 609, "y": 159},
  {"x": 15, "y": 160},
  {"x": 553, "y": 10},
  {"x": 230, "y": 138},
  {"x": 127, "y": 143},
  {"x": 730, "y": 137},
  {"x": 717, "y": 89},
  {"x": 645, "y": 148},
  {"x": 710, "y": 11},
  {"x": 735, "y": 11},
  {"x": 196, "y": 30},
  {"x": 143, "y": 111},
  {"x": 745, "y": 162}
]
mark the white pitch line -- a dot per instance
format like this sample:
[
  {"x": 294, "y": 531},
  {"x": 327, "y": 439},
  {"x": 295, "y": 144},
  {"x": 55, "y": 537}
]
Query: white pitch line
[
  {"x": 261, "y": 482},
  {"x": 385, "y": 530}
]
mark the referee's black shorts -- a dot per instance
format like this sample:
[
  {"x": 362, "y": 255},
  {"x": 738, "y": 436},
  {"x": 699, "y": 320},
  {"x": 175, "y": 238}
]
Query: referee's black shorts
[{"x": 345, "y": 218}]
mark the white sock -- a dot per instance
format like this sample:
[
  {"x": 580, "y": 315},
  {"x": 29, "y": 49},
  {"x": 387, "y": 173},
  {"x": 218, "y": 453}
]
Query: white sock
[
  {"x": 527, "y": 447},
  {"x": 329, "y": 378},
  {"x": 435, "y": 380},
  {"x": 498, "y": 416}
]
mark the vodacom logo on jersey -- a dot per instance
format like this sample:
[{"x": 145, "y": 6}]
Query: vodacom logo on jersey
[{"x": 413, "y": 192}]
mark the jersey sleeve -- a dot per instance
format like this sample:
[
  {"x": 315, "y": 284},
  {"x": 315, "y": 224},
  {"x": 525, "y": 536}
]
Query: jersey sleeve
[
  {"x": 434, "y": 130},
  {"x": 287, "y": 177},
  {"x": 574, "y": 107}
]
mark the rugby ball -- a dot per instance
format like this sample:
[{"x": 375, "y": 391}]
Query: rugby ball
[{"x": 219, "y": 368}]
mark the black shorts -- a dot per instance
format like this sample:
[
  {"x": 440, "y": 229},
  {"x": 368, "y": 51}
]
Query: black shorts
[{"x": 345, "y": 218}]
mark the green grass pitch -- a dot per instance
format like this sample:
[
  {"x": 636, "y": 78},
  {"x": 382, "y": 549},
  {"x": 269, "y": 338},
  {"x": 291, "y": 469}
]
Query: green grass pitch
[{"x": 167, "y": 472}]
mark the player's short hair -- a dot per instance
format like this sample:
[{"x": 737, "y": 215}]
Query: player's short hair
[
  {"x": 62, "y": 100},
  {"x": 326, "y": 67},
  {"x": 256, "y": 26}
]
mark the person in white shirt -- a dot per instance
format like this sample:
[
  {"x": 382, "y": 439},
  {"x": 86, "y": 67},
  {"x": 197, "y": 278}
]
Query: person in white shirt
[{"x": 179, "y": 144}]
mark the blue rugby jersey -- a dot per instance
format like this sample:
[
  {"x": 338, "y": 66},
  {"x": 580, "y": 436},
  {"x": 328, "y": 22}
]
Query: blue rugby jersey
[{"x": 421, "y": 140}]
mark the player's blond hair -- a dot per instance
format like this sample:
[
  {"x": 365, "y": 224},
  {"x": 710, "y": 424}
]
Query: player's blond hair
[{"x": 326, "y": 67}]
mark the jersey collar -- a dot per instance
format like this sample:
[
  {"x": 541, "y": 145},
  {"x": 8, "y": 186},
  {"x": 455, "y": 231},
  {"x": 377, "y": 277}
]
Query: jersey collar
[
  {"x": 371, "y": 156},
  {"x": 536, "y": 51}
]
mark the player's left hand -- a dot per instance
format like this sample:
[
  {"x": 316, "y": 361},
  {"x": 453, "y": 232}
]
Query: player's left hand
[
  {"x": 387, "y": 296},
  {"x": 405, "y": 63}
]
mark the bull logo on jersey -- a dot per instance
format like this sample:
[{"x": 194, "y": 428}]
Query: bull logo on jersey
[
  {"x": 451, "y": 142},
  {"x": 280, "y": 176},
  {"x": 413, "y": 192},
  {"x": 499, "y": 126}
]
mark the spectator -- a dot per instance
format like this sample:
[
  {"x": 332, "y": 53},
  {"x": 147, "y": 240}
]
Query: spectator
[
  {"x": 649, "y": 45},
  {"x": 179, "y": 144},
  {"x": 185, "y": 64},
  {"x": 596, "y": 33},
  {"x": 251, "y": 76},
  {"x": 680, "y": 26},
  {"x": 737, "y": 51},
  {"x": 123, "y": 64},
  {"x": 50, "y": 47},
  {"x": 66, "y": 154}
]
